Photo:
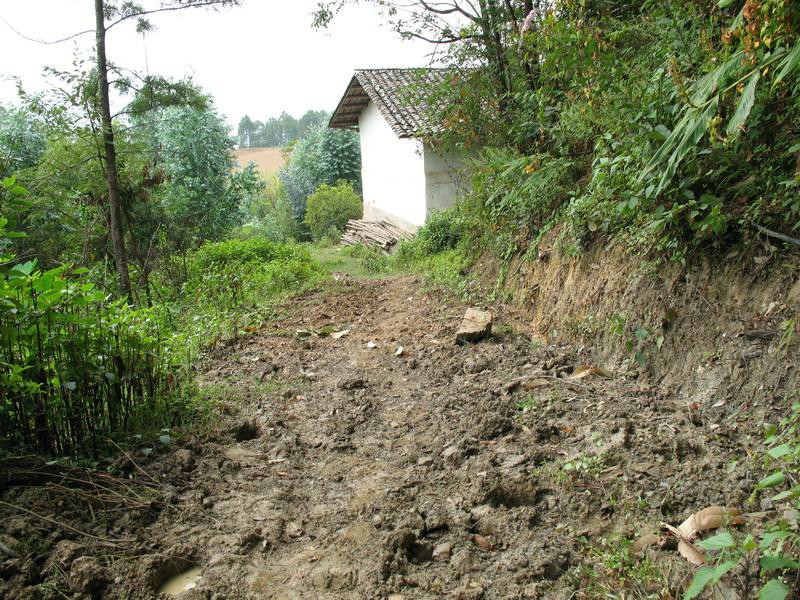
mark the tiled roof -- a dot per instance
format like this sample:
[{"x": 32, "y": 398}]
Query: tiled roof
[{"x": 400, "y": 102}]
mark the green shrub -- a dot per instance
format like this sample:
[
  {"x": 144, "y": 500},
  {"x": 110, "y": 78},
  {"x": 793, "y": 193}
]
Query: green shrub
[
  {"x": 330, "y": 207},
  {"x": 239, "y": 252},
  {"x": 373, "y": 259},
  {"x": 520, "y": 194},
  {"x": 269, "y": 214},
  {"x": 442, "y": 231},
  {"x": 324, "y": 155},
  {"x": 75, "y": 367},
  {"x": 236, "y": 284}
]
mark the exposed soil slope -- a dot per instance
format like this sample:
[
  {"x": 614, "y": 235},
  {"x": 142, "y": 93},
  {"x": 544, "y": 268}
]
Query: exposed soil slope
[
  {"x": 267, "y": 160},
  {"x": 345, "y": 471}
]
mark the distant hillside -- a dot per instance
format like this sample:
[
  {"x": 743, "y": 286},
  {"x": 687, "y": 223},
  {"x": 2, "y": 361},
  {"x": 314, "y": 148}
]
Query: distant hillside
[{"x": 268, "y": 160}]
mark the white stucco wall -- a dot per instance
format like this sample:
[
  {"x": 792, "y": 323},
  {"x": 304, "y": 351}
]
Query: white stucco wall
[
  {"x": 445, "y": 179},
  {"x": 392, "y": 173}
]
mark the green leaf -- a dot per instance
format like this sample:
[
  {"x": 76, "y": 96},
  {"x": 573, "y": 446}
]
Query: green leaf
[
  {"x": 779, "y": 451},
  {"x": 717, "y": 542},
  {"x": 790, "y": 493},
  {"x": 745, "y": 105},
  {"x": 721, "y": 569},
  {"x": 165, "y": 439},
  {"x": 790, "y": 62},
  {"x": 772, "y": 536},
  {"x": 699, "y": 582},
  {"x": 772, "y": 563},
  {"x": 724, "y": 3},
  {"x": 769, "y": 481},
  {"x": 773, "y": 590},
  {"x": 25, "y": 268}
]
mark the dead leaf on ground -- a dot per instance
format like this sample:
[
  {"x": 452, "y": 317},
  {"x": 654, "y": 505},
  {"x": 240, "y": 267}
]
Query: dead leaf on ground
[
  {"x": 484, "y": 543},
  {"x": 340, "y": 334},
  {"x": 712, "y": 517},
  {"x": 685, "y": 547},
  {"x": 709, "y": 518},
  {"x": 587, "y": 370},
  {"x": 691, "y": 553},
  {"x": 531, "y": 384},
  {"x": 644, "y": 542}
]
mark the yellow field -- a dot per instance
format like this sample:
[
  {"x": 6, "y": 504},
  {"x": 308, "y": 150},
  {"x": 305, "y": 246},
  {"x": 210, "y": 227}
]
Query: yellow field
[{"x": 268, "y": 160}]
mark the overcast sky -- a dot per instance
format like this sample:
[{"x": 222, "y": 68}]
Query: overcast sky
[{"x": 259, "y": 59}]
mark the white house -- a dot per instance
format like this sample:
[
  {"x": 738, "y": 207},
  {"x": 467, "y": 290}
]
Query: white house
[{"x": 404, "y": 179}]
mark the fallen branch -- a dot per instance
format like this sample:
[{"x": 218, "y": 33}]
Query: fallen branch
[{"x": 778, "y": 236}]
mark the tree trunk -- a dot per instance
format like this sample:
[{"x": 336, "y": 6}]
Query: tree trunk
[
  {"x": 111, "y": 172},
  {"x": 495, "y": 53}
]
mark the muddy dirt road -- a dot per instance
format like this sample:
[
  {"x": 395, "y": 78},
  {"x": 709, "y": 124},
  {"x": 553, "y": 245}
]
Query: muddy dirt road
[{"x": 344, "y": 469}]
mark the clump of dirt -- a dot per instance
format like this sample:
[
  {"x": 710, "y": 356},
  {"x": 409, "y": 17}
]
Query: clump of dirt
[{"x": 351, "y": 472}]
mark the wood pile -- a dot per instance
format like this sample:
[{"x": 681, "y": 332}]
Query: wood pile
[{"x": 376, "y": 233}]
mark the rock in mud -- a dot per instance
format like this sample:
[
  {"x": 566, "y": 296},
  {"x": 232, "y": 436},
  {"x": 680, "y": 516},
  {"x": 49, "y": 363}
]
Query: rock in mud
[
  {"x": 86, "y": 575},
  {"x": 351, "y": 383},
  {"x": 477, "y": 365},
  {"x": 477, "y": 325},
  {"x": 8, "y": 546},
  {"x": 468, "y": 592},
  {"x": 293, "y": 530},
  {"x": 464, "y": 561},
  {"x": 451, "y": 453},
  {"x": 442, "y": 552},
  {"x": 184, "y": 459}
]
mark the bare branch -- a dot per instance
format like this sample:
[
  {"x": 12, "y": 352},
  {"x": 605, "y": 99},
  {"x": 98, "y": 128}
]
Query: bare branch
[
  {"x": 47, "y": 42},
  {"x": 143, "y": 13},
  {"x": 454, "y": 8}
]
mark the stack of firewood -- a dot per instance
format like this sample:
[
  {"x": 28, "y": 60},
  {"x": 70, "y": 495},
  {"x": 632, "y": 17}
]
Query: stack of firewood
[{"x": 377, "y": 233}]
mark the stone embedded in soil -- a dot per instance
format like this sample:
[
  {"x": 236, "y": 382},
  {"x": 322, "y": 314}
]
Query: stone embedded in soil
[
  {"x": 512, "y": 461},
  {"x": 293, "y": 530},
  {"x": 442, "y": 552},
  {"x": 481, "y": 512},
  {"x": 424, "y": 461},
  {"x": 86, "y": 575},
  {"x": 468, "y": 592},
  {"x": 451, "y": 452},
  {"x": 477, "y": 325},
  {"x": 184, "y": 459}
]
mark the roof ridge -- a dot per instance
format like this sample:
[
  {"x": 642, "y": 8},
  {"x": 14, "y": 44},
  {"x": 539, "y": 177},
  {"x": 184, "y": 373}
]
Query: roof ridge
[
  {"x": 386, "y": 88},
  {"x": 406, "y": 69}
]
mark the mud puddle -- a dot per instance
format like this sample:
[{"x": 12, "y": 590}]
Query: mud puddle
[{"x": 182, "y": 583}]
